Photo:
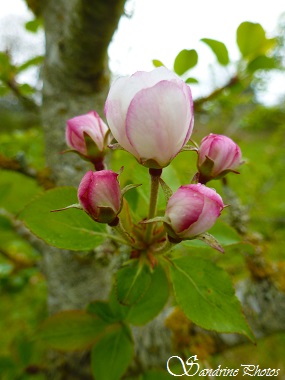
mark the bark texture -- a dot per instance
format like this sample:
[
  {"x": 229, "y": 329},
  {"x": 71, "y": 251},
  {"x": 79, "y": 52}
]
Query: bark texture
[
  {"x": 75, "y": 81},
  {"x": 76, "y": 75}
]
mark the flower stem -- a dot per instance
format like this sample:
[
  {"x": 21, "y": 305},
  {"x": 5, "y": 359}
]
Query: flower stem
[
  {"x": 118, "y": 227},
  {"x": 99, "y": 164},
  {"x": 154, "y": 177},
  {"x": 165, "y": 248}
]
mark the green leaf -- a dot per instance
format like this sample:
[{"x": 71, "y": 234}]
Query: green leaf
[
  {"x": 103, "y": 310},
  {"x": 71, "y": 330},
  {"x": 206, "y": 295},
  {"x": 262, "y": 63},
  {"x": 191, "y": 80},
  {"x": 16, "y": 190},
  {"x": 185, "y": 60},
  {"x": 15, "y": 245},
  {"x": 150, "y": 304},
  {"x": 224, "y": 233},
  {"x": 6, "y": 67},
  {"x": 219, "y": 49},
  {"x": 35, "y": 61},
  {"x": 131, "y": 283},
  {"x": 23, "y": 349},
  {"x": 152, "y": 301},
  {"x": 157, "y": 374},
  {"x": 70, "y": 229},
  {"x": 26, "y": 90},
  {"x": 157, "y": 63},
  {"x": 112, "y": 355},
  {"x": 4, "y": 90},
  {"x": 7, "y": 364},
  {"x": 5, "y": 270},
  {"x": 251, "y": 39},
  {"x": 34, "y": 25}
]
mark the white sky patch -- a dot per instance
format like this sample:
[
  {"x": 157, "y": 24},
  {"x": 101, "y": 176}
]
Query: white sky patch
[{"x": 159, "y": 29}]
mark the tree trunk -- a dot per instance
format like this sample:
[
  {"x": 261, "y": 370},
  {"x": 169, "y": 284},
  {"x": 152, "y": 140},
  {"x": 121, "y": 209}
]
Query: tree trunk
[{"x": 75, "y": 81}]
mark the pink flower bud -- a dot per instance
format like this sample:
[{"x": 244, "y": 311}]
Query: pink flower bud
[
  {"x": 150, "y": 114},
  {"x": 88, "y": 135},
  {"x": 192, "y": 210},
  {"x": 100, "y": 196},
  {"x": 217, "y": 156}
]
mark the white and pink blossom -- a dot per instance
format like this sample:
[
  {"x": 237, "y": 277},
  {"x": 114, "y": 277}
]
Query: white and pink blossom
[
  {"x": 217, "y": 155},
  {"x": 192, "y": 210},
  {"x": 151, "y": 116},
  {"x": 99, "y": 195},
  {"x": 88, "y": 135}
]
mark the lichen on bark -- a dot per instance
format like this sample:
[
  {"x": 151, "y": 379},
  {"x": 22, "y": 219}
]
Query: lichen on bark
[{"x": 75, "y": 81}]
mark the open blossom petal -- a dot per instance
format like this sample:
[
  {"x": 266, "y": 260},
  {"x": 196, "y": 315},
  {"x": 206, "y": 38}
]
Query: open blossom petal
[
  {"x": 158, "y": 116},
  {"x": 150, "y": 114}
]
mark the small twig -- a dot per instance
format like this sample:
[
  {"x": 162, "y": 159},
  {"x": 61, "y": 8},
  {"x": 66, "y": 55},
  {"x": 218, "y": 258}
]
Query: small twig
[
  {"x": 28, "y": 103},
  {"x": 19, "y": 261},
  {"x": 199, "y": 102},
  {"x": 42, "y": 177}
]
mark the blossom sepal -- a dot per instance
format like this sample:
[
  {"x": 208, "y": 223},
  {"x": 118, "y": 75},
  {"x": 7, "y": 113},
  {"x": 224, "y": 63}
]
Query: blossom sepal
[
  {"x": 154, "y": 220},
  {"x": 98, "y": 161},
  {"x": 151, "y": 164},
  {"x": 218, "y": 155},
  {"x": 211, "y": 241},
  {"x": 187, "y": 148},
  {"x": 207, "y": 238},
  {"x": 166, "y": 189},
  {"x": 75, "y": 205},
  {"x": 129, "y": 187},
  {"x": 93, "y": 151},
  {"x": 116, "y": 146},
  {"x": 106, "y": 215},
  {"x": 125, "y": 190},
  {"x": 205, "y": 170}
]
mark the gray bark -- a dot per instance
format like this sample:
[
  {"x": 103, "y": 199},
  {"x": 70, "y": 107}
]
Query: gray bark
[
  {"x": 75, "y": 81},
  {"x": 75, "y": 75}
]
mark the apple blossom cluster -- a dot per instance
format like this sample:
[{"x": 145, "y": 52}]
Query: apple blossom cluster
[{"x": 151, "y": 116}]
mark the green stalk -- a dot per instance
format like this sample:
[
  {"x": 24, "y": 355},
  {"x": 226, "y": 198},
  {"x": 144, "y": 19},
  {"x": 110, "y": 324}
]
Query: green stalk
[
  {"x": 118, "y": 227},
  {"x": 165, "y": 248},
  {"x": 154, "y": 177}
]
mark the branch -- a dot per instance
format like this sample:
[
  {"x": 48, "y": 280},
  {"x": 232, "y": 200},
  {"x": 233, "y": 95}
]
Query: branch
[
  {"x": 201, "y": 101},
  {"x": 20, "y": 261},
  {"x": 42, "y": 177},
  {"x": 27, "y": 103}
]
